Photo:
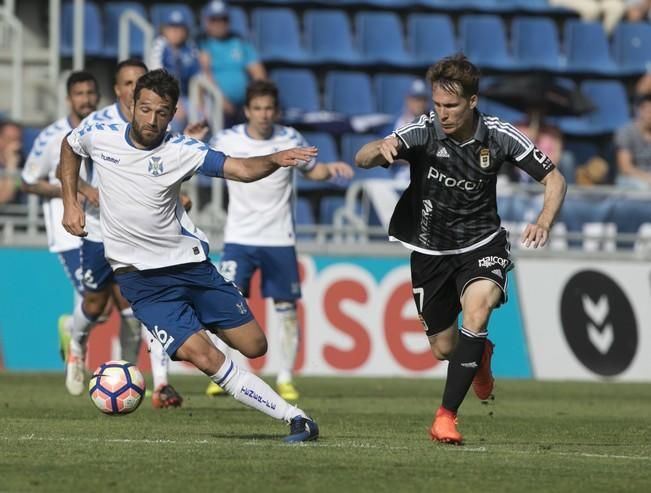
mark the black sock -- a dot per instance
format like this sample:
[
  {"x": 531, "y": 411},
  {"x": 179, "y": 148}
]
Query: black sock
[{"x": 462, "y": 368}]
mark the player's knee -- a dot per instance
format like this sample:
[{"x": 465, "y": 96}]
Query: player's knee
[
  {"x": 477, "y": 317},
  {"x": 442, "y": 350},
  {"x": 93, "y": 306},
  {"x": 255, "y": 347}
]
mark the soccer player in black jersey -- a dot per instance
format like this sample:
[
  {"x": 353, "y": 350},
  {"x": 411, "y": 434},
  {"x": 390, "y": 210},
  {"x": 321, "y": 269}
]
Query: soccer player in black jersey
[{"x": 448, "y": 218}]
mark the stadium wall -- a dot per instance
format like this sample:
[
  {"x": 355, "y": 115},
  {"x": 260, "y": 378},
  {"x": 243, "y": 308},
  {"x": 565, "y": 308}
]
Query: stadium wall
[{"x": 564, "y": 319}]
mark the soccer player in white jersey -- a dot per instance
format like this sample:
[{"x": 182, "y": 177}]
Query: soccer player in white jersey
[
  {"x": 160, "y": 258},
  {"x": 260, "y": 226},
  {"x": 39, "y": 177},
  {"x": 100, "y": 286}
]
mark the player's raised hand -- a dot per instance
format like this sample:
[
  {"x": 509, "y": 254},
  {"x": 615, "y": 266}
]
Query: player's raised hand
[
  {"x": 534, "y": 236},
  {"x": 294, "y": 156},
  {"x": 197, "y": 130},
  {"x": 74, "y": 219},
  {"x": 389, "y": 148}
]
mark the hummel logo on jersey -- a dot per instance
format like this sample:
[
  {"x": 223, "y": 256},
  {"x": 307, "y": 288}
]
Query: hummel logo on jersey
[
  {"x": 497, "y": 272},
  {"x": 471, "y": 364},
  {"x": 442, "y": 152},
  {"x": 110, "y": 159}
]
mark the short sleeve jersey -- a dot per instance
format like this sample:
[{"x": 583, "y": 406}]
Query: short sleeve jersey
[
  {"x": 143, "y": 223},
  {"x": 631, "y": 139},
  {"x": 41, "y": 164},
  {"x": 260, "y": 213},
  {"x": 450, "y": 204}
]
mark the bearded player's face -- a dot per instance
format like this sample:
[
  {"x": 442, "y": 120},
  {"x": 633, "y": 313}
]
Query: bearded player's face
[{"x": 151, "y": 116}]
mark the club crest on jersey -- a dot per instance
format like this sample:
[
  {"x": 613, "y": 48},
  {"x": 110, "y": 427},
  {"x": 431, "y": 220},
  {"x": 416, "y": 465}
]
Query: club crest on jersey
[
  {"x": 484, "y": 158},
  {"x": 155, "y": 166}
]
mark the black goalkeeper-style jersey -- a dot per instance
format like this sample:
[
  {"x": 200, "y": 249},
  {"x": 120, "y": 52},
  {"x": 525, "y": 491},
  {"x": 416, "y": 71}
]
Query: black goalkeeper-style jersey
[{"x": 450, "y": 205}]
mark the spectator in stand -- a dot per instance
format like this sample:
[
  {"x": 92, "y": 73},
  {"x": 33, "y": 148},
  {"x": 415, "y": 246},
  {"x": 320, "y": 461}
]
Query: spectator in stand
[
  {"x": 174, "y": 51},
  {"x": 633, "y": 148},
  {"x": 417, "y": 103},
  {"x": 228, "y": 59},
  {"x": 11, "y": 159},
  {"x": 609, "y": 11},
  {"x": 549, "y": 139},
  {"x": 638, "y": 10}
]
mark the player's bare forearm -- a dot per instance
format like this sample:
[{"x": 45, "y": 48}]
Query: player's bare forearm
[
  {"x": 555, "y": 188},
  {"x": 68, "y": 173},
  {"x": 378, "y": 152},
  {"x": 43, "y": 189},
  {"x": 256, "y": 168}
]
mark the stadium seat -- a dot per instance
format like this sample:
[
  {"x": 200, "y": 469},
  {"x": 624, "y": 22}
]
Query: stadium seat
[
  {"x": 93, "y": 29},
  {"x": 297, "y": 89},
  {"x": 380, "y": 39},
  {"x": 113, "y": 11},
  {"x": 303, "y": 215},
  {"x": 390, "y": 92},
  {"x": 612, "y": 110},
  {"x": 431, "y": 37},
  {"x": 484, "y": 6},
  {"x": 631, "y": 46},
  {"x": 586, "y": 49},
  {"x": 349, "y": 93},
  {"x": 328, "y": 207},
  {"x": 350, "y": 144},
  {"x": 535, "y": 43},
  {"x": 483, "y": 40},
  {"x": 328, "y": 37},
  {"x": 495, "y": 108},
  {"x": 238, "y": 21},
  {"x": 629, "y": 215},
  {"x": 160, "y": 11},
  {"x": 277, "y": 36},
  {"x": 533, "y": 7},
  {"x": 29, "y": 136}
]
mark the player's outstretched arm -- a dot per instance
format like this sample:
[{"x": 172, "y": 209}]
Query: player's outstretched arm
[
  {"x": 378, "y": 152},
  {"x": 255, "y": 168},
  {"x": 535, "y": 235},
  {"x": 325, "y": 171},
  {"x": 74, "y": 219}
]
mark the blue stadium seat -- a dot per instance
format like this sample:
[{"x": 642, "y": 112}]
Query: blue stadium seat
[
  {"x": 485, "y": 6},
  {"x": 350, "y": 144},
  {"x": 390, "y": 92},
  {"x": 612, "y": 109},
  {"x": 495, "y": 108},
  {"x": 586, "y": 49},
  {"x": 380, "y": 39},
  {"x": 328, "y": 37},
  {"x": 349, "y": 93},
  {"x": 277, "y": 36},
  {"x": 29, "y": 136},
  {"x": 483, "y": 40},
  {"x": 328, "y": 207},
  {"x": 431, "y": 37},
  {"x": 629, "y": 215},
  {"x": 160, "y": 11},
  {"x": 303, "y": 215},
  {"x": 631, "y": 45},
  {"x": 113, "y": 11},
  {"x": 93, "y": 29},
  {"x": 533, "y": 7},
  {"x": 297, "y": 89},
  {"x": 535, "y": 43},
  {"x": 238, "y": 21}
]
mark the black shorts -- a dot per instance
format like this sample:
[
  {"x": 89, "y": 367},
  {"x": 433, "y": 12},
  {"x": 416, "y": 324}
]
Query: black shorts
[{"x": 439, "y": 281}]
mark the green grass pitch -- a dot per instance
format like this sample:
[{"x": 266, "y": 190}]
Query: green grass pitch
[{"x": 374, "y": 437}]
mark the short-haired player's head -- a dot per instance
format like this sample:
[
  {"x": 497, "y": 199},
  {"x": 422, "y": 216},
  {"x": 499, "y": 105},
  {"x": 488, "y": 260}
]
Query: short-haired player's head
[
  {"x": 455, "y": 87},
  {"x": 83, "y": 93},
  {"x": 127, "y": 74},
  {"x": 261, "y": 107},
  {"x": 155, "y": 97}
]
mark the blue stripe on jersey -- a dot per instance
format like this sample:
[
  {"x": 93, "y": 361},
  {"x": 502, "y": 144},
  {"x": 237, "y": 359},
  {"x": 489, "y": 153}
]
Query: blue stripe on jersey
[
  {"x": 204, "y": 244},
  {"x": 213, "y": 164}
]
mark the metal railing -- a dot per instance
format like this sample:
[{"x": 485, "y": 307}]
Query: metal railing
[{"x": 127, "y": 18}]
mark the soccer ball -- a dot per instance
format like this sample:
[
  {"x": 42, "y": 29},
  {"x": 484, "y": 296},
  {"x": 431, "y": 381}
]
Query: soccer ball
[{"x": 117, "y": 387}]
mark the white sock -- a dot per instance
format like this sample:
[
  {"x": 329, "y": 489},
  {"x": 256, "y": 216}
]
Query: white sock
[
  {"x": 80, "y": 328},
  {"x": 288, "y": 328},
  {"x": 129, "y": 335},
  {"x": 251, "y": 391},
  {"x": 160, "y": 360}
]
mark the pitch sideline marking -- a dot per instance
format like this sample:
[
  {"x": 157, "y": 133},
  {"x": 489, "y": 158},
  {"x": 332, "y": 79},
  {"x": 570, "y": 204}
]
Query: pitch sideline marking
[{"x": 33, "y": 437}]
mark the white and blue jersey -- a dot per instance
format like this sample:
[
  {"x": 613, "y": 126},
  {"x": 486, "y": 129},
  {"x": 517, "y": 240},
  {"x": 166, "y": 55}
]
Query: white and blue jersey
[
  {"x": 41, "y": 164},
  {"x": 109, "y": 114},
  {"x": 259, "y": 231},
  {"x": 143, "y": 224}
]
